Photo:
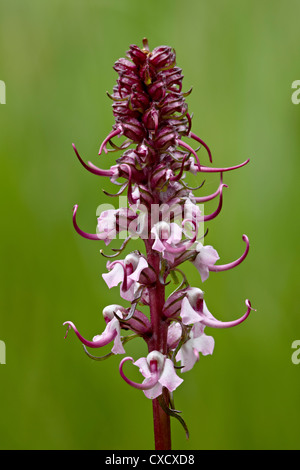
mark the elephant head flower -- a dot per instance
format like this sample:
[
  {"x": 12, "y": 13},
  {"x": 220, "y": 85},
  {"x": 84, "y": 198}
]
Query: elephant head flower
[{"x": 153, "y": 132}]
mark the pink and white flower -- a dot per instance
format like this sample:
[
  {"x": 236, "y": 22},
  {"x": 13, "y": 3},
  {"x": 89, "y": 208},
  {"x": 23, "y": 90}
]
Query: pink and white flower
[
  {"x": 127, "y": 272},
  {"x": 111, "y": 332},
  {"x": 194, "y": 310},
  {"x": 113, "y": 221},
  {"x": 158, "y": 371},
  {"x": 165, "y": 237}
]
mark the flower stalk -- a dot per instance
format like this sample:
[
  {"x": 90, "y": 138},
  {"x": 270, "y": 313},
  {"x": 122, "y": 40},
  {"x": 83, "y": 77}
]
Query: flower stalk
[{"x": 151, "y": 120}]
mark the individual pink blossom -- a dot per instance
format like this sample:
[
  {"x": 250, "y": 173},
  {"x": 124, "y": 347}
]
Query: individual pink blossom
[
  {"x": 113, "y": 221},
  {"x": 191, "y": 312},
  {"x": 111, "y": 332},
  {"x": 166, "y": 237},
  {"x": 126, "y": 272},
  {"x": 158, "y": 371}
]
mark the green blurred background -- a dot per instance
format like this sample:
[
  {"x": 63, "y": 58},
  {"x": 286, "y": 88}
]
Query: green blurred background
[{"x": 56, "y": 59}]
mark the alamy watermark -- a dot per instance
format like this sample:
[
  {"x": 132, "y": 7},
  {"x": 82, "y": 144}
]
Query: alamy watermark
[
  {"x": 2, "y": 352},
  {"x": 296, "y": 354},
  {"x": 168, "y": 222},
  {"x": 2, "y": 92},
  {"x": 296, "y": 95}
]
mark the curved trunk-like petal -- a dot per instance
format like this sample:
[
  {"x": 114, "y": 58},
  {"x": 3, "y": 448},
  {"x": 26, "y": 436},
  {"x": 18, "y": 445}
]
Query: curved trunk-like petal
[
  {"x": 110, "y": 136},
  {"x": 207, "y": 169},
  {"x": 191, "y": 150},
  {"x": 225, "y": 267},
  {"x": 214, "y": 214},
  {"x": 213, "y": 323},
  {"x": 92, "y": 168},
  {"x": 179, "y": 175},
  {"x": 107, "y": 336},
  {"x": 195, "y": 137},
  {"x": 201, "y": 199},
  {"x": 89, "y": 236},
  {"x": 149, "y": 383}
]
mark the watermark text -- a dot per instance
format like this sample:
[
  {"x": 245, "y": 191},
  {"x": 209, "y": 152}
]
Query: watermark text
[
  {"x": 296, "y": 95},
  {"x": 296, "y": 354},
  {"x": 2, "y": 92},
  {"x": 2, "y": 352}
]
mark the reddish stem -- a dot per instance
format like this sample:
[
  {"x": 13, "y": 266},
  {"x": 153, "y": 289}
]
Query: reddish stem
[
  {"x": 162, "y": 428},
  {"x": 158, "y": 342}
]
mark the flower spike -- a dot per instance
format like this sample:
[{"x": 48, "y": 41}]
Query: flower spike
[{"x": 152, "y": 116}]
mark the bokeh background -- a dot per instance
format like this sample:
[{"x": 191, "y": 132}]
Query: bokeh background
[{"x": 56, "y": 59}]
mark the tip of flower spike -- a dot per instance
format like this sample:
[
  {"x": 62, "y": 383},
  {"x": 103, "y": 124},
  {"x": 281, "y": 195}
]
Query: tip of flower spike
[{"x": 145, "y": 44}]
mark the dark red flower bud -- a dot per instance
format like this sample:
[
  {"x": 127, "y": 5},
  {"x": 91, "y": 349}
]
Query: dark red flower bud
[
  {"x": 172, "y": 77},
  {"x": 171, "y": 106},
  {"x": 163, "y": 57},
  {"x": 128, "y": 80},
  {"x": 165, "y": 138},
  {"x": 124, "y": 65},
  {"x": 157, "y": 90},
  {"x": 150, "y": 118},
  {"x": 139, "y": 99},
  {"x": 138, "y": 56},
  {"x": 122, "y": 110},
  {"x": 134, "y": 130}
]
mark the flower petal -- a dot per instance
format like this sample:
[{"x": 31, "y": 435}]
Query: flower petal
[
  {"x": 204, "y": 344},
  {"x": 142, "y": 264},
  {"x": 115, "y": 276},
  {"x": 143, "y": 366},
  {"x": 188, "y": 314},
  {"x": 186, "y": 356},
  {"x": 176, "y": 234},
  {"x": 206, "y": 257},
  {"x": 169, "y": 378},
  {"x": 154, "y": 392}
]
